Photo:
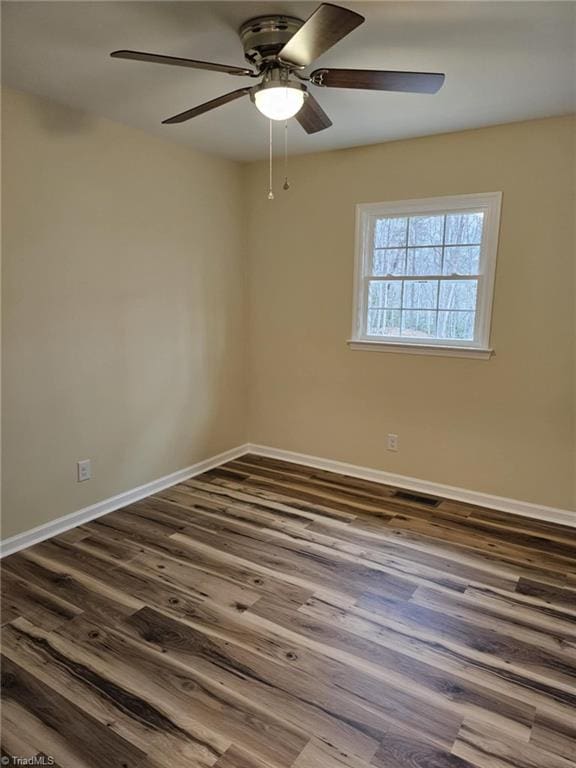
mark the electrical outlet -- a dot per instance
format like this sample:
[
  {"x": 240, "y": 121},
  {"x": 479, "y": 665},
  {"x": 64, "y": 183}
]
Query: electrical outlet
[
  {"x": 392, "y": 443},
  {"x": 84, "y": 470}
]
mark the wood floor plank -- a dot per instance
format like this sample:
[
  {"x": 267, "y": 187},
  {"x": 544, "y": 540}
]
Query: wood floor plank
[
  {"x": 526, "y": 609},
  {"x": 520, "y": 553},
  {"x": 81, "y": 590},
  {"x": 399, "y": 751},
  {"x": 71, "y": 536},
  {"x": 450, "y": 685},
  {"x": 59, "y": 728},
  {"x": 191, "y": 664},
  {"x": 308, "y": 490},
  {"x": 267, "y": 614},
  {"x": 143, "y": 583},
  {"x": 508, "y": 623},
  {"x": 238, "y": 758},
  {"x": 262, "y": 667},
  {"x": 113, "y": 550},
  {"x": 204, "y": 498},
  {"x": 491, "y": 750},
  {"x": 69, "y": 672},
  {"x": 21, "y": 598},
  {"x": 467, "y": 636},
  {"x": 186, "y": 551},
  {"x": 312, "y": 509},
  {"x": 552, "y": 736},
  {"x": 562, "y": 598},
  {"x": 362, "y": 630},
  {"x": 318, "y": 754}
]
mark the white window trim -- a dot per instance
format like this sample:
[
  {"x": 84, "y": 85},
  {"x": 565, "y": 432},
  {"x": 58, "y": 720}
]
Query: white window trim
[{"x": 490, "y": 204}]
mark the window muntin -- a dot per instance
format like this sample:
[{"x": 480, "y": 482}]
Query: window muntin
[{"x": 426, "y": 273}]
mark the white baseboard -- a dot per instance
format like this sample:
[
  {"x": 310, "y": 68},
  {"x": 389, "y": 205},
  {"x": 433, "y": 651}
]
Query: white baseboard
[
  {"x": 61, "y": 524},
  {"x": 501, "y": 503}
]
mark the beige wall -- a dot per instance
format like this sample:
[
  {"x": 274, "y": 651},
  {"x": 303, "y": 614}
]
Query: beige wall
[
  {"x": 124, "y": 334},
  {"x": 503, "y": 426},
  {"x": 124, "y": 313}
]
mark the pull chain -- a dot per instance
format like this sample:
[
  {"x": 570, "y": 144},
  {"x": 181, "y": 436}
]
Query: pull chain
[
  {"x": 270, "y": 191},
  {"x": 286, "y": 184}
]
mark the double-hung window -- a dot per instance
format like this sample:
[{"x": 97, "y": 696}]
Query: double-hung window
[{"x": 425, "y": 274}]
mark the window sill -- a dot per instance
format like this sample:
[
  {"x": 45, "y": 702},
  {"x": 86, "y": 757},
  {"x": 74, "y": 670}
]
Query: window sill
[{"x": 480, "y": 353}]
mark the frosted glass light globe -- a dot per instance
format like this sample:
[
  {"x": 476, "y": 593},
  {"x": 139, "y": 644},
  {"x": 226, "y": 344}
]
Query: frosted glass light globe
[{"x": 279, "y": 103}]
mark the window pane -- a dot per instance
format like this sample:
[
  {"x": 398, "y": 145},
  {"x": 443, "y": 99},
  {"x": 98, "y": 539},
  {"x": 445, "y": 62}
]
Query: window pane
[
  {"x": 465, "y": 228},
  {"x": 384, "y": 295},
  {"x": 390, "y": 233},
  {"x": 424, "y": 261},
  {"x": 456, "y": 325},
  {"x": 383, "y": 322},
  {"x": 419, "y": 324},
  {"x": 462, "y": 260},
  {"x": 426, "y": 230},
  {"x": 420, "y": 294},
  {"x": 391, "y": 261},
  {"x": 458, "y": 294}
]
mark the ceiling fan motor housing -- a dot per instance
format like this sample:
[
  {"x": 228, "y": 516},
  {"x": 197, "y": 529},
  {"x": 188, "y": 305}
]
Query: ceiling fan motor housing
[
  {"x": 278, "y": 77},
  {"x": 265, "y": 36}
]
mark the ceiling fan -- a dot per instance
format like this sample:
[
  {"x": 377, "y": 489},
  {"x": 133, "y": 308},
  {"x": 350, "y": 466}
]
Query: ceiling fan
[{"x": 279, "y": 48}]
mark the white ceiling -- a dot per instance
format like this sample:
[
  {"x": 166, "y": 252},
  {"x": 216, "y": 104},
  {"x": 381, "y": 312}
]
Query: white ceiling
[{"x": 504, "y": 61}]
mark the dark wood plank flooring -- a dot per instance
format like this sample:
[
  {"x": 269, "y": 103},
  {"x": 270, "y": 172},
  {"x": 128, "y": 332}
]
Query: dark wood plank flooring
[{"x": 267, "y": 615}]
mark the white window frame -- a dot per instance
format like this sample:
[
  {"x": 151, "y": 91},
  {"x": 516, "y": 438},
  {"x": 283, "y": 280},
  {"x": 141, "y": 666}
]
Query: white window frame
[{"x": 367, "y": 213}]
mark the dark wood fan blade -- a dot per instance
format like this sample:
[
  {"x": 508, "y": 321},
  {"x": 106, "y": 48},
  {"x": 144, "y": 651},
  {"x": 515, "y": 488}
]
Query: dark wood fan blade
[
  {"x": 176, "y": 61},
  {"x": 376, "y": 80},
  {"x": 312, "y": 117},
  {"x": 327, "y": 25},
  {"x": 207, "y": 106}
]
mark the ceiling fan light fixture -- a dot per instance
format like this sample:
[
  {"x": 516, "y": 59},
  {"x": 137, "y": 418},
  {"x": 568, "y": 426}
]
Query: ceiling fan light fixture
[{"x": 279, "y": 101}]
